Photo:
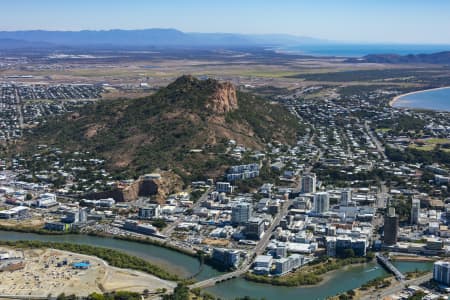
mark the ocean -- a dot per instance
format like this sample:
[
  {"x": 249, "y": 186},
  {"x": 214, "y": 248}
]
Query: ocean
[
  {"x": 358, "y": 50},
  {"x": 436, "y": 99}
]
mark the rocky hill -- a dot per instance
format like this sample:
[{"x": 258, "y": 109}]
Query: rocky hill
[{"x": 184, "y": 127}]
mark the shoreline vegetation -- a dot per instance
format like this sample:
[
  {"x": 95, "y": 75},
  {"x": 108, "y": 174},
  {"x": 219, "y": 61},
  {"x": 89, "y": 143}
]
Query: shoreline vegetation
[
  {"x": 311, "y": 274},
  {"x": 396, "y": 98},
  {"x": 142, "y": 240},
  {"x": 114, "y": 258}
]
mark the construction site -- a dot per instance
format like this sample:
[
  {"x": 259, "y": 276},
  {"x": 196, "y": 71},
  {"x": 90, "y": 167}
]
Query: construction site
[{"x": 41, "y": 272}]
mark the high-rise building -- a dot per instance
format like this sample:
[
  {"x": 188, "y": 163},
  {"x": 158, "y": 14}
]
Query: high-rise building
[
  {"x": 321, "y": 202},
  {"x": 346, "y": 196},
  {"x": 441, "y": 272},
  {"x": 241, "y": 213},
  {"x": 391, "y": 227},
  {"x": 415, "y": 211},
  {"x": 150, "y": 211},
  {"x": 308, "y": 183},
  {"x": 254, "y": 228},
  {"x": 83, "y": 214}
]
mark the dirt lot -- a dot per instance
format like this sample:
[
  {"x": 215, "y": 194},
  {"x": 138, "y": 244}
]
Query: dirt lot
[{"x": 41, "y": 276}]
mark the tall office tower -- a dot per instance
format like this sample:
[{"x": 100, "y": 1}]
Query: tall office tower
[
  {"x": 415, "y": 211},
  {"x": 390, "y": 227},
  {"x": 346, "y": 196},
  {"x": 241, "y": 213},
  {"x": 321, "y": 202},
  {"x": 308, "y": 183}
]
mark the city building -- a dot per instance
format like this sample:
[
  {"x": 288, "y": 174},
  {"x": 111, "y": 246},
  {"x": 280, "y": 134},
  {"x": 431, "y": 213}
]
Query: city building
[
  {"x": 224, "y": 187},
  {"x": 241, "y": 213},
  {"x": 415, "y": 211},
  {"x": 150, "y": 211},
  {"x": 254, "y": 228},
  {"x": 308, "y": 184},
  {"x": 17, "y": 212},
  {"x": 135, "y": 226},
  {"x": 57, "y": 226},
  {"x": 390, "y": 227},
  {"x": 262, "y": 264},
  {"x": 226, "y": 257},
  {"x": 346, "y": 196},
  {"x": 46, "y": 200},
  {"x": 242, "y": 172},
  {"x": 441, "y": 272},
  {"x": 321, "y": 202},
  {"x": 285, "y": 265}
]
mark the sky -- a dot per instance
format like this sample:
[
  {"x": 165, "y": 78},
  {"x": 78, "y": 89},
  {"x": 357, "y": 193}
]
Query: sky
[{"x": 373, "y": 21}]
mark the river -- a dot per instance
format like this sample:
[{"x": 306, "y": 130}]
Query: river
[{"x": 339, "y": 281}]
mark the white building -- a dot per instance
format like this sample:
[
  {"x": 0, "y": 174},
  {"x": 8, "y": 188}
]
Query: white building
[
  {"x": 224, "y": 187},
  {"x": 441, "y": 272},
  {"x": 262, "y": 264},
  {"x": 46, "y": 200}
]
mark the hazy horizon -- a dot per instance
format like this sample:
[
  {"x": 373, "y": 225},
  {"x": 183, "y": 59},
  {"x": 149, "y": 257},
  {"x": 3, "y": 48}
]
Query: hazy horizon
[{"x": 349, "y": 21}]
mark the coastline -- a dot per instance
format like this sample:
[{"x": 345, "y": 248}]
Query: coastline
[{"x": 396, "y": 98}]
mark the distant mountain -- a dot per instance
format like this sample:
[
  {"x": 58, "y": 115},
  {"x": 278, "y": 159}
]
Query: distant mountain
[
  {"x": 20, "y": 44},
  {"x": 434, "y": 58},
  {"x": 145, "y": 38},
  {"x": 162, "y": 130}
]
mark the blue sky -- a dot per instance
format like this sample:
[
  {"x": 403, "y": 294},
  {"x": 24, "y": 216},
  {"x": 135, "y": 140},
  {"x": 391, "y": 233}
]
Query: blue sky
[{"x": 402, "y": 21}]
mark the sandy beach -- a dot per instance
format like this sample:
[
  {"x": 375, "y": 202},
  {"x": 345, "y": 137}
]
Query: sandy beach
[{"x": 391, "y": 103}]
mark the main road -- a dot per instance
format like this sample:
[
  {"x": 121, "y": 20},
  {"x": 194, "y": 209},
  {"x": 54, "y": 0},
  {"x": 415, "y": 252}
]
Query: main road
[
  {"x": 375, "y": 140},
  {"x": 171, "y": 227},
  {"x": 257, "y": 250}
]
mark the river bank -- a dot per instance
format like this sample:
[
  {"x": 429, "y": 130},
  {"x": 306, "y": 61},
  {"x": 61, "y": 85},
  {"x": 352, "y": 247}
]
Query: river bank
[
  {"x": 41, "y": 275},
  {"x": 341, "y": 280},
  {"x": 411, "y": 258},
  {"x": 173, "y": 261},
  {"x": 313, "y": 274},
  {"x": 396, "y": 98},
  {"x": 335, "y": 282},
  {"x": 113, "y": 257}
]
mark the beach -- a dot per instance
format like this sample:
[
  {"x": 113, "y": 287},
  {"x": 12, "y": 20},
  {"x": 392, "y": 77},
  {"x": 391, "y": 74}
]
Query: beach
[{"x": 396, "y": 98}]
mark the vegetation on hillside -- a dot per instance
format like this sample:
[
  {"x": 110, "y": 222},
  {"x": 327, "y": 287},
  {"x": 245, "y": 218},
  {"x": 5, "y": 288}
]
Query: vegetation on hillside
[{"x": 159, "y": 131}]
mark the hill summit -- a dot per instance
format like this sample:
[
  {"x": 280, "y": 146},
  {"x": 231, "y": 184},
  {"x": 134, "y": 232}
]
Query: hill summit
[{"x": 185, "y": 126}]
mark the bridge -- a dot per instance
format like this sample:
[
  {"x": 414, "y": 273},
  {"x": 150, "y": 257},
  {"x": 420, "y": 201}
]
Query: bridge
[{"x": 384, "y": 262}]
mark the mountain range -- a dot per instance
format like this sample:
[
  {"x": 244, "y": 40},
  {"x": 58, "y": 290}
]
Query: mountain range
[{"x": 143, "y": 38}]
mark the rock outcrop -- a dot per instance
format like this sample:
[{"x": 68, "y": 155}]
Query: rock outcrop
[{"x": 224, "y": 98}]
